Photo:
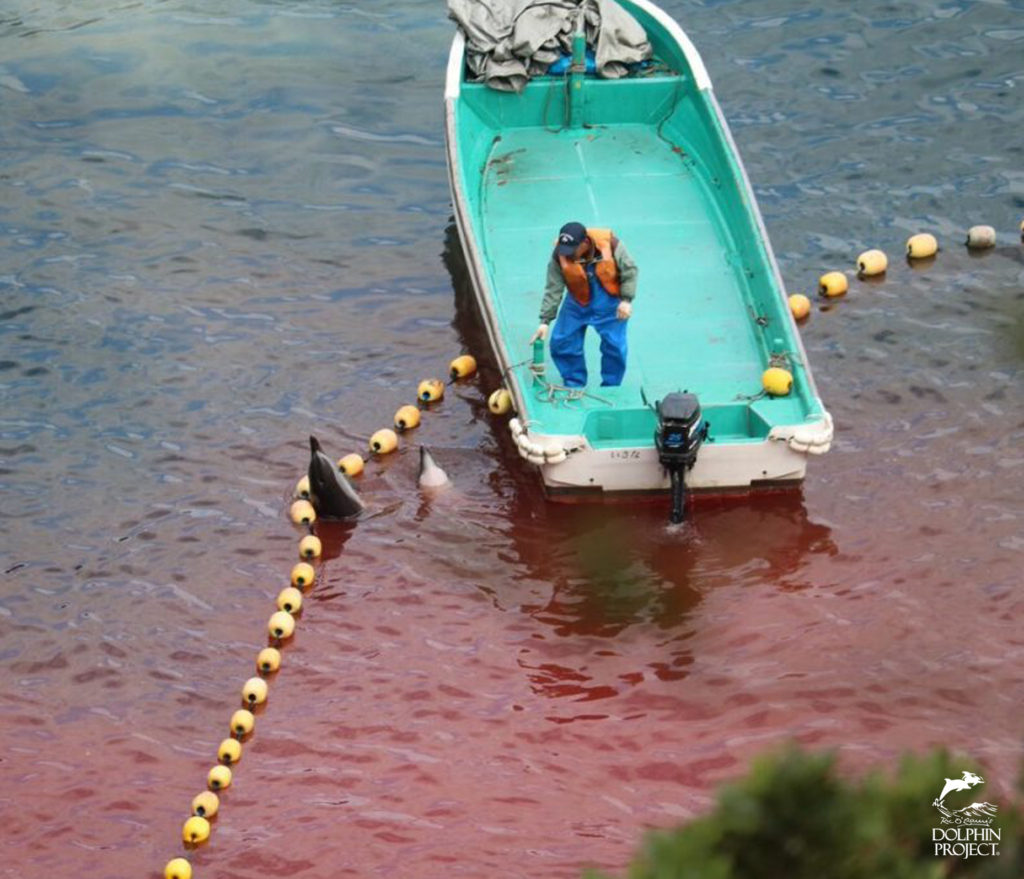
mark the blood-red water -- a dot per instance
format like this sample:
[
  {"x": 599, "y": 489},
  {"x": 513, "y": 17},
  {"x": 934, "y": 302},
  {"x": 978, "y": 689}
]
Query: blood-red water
[{"x": 214, "y": 244}]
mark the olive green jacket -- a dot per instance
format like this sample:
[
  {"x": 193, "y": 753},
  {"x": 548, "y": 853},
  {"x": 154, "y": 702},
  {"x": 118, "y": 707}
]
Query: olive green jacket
[{"x": 554, "y": 285}]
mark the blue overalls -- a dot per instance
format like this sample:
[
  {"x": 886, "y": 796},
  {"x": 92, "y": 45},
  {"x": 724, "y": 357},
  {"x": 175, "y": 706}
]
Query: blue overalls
[{"x": 571, "y": 327}]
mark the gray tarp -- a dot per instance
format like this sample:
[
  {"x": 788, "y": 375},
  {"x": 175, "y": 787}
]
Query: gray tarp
[{"x": 508, "y": 41}]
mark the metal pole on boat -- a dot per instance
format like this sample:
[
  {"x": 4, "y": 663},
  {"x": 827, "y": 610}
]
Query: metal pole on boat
[{"x": 576, "y": 74}]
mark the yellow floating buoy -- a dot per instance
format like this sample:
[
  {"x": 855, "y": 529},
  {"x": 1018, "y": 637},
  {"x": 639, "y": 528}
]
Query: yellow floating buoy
[
  {"x": 178, "y": 868},
  {"x": 430, "y": 390},
  {"x": 1022, "y": 230},
  {"x": 777, "y": 381},
  {"x": 407, "y": 418},
  {"x": 980, "y": 237},
  {"x": 229, "y": 752},
  {"x": 352, "y": 464},
  {"x": 921, "y": 246},
  {"x": 462, "y": 366},
  {"x": 832, "y": 284},
  {"x": 206, "y": 804},
  {"x": 219, "y": 778},
  {"x": 310, "y": 547},
  {"x": 500, "y": 401},
  {"x": 254, "y": 692},
  {"x": 242, "y": 722},
  {"x": 302, "y": 488},
  {"x": 196, "y": 830},
  {"x": 303, "y": 575},
  {"x": 800, "y": 305},
  {"x": 268, "y": 660},
  {"x": 871, "y": 262},
  {"x": 302, "y": 513},
  {"x": 384, "y": 441},
  {"x": 289, "y": 600},
  {"x": 281, "y": 625}
]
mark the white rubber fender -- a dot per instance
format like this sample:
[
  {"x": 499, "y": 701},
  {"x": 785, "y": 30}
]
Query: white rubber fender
[
  {"x": 554, "y": 453},
  {"x": 813, "y": 439},
  {"x": 515, "y": 426},
  {"x": 528, "y": 447},
  {"x": 536, "y": 459}
]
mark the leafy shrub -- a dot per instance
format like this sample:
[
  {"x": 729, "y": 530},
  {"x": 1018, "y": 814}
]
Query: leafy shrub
[{"x": 794, "y": 817}]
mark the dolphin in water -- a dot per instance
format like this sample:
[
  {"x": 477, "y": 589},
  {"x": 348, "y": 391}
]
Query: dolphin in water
[
  {"x": 431, "y": 475},
  {"x": 331, "y": 494}
]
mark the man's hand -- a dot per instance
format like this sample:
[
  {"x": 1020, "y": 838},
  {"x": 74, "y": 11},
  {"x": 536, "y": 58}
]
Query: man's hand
[
  {"x": 624, "y": 311},
  {"x": 541, "y": 333}
]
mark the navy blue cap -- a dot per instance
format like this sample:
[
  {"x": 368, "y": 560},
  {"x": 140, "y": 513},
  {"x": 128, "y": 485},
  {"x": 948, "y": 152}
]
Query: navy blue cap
[{"x": 570, "y": 236}]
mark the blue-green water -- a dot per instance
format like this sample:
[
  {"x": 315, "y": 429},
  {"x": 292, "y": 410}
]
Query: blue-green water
[{"x": 222, "y": 228}]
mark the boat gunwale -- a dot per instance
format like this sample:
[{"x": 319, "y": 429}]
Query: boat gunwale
[
  {"x": 463, "y": 224},
  {"x": 747, "y": 191}
]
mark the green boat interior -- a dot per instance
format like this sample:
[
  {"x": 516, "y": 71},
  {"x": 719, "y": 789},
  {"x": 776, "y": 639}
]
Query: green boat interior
[{"x": 649, "y": 159}]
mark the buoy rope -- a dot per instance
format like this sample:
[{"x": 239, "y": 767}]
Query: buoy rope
[
  {"x": 206, "y": 805},
  {"x": 280, "y": 628},
  {"x": 508, "y": 369}
]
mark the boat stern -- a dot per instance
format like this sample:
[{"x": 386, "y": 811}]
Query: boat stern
[{"x": 584, "y": 463}]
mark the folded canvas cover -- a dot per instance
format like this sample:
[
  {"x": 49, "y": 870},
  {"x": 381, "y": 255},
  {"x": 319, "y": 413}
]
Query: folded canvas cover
[{"x": 508, "y": 41}]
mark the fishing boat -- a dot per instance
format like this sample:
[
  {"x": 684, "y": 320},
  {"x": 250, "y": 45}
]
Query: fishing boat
[{"x": 651, "y": 157}]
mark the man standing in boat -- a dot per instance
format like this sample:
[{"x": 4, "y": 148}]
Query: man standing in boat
[{"x": 600, "y": 275}]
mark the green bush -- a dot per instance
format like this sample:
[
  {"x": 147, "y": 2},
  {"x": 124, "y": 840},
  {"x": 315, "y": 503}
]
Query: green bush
[{"x": 794, "y": 817}]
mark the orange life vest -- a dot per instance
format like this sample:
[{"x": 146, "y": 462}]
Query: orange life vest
[{"x": 607, "y": 271}]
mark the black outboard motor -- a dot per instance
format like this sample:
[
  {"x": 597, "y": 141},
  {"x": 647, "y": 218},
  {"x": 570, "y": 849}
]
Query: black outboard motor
[{"x": 681, "y": 431}]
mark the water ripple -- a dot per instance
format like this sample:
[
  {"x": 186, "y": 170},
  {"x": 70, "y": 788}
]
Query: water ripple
[{"x": 230, "y": 235}]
